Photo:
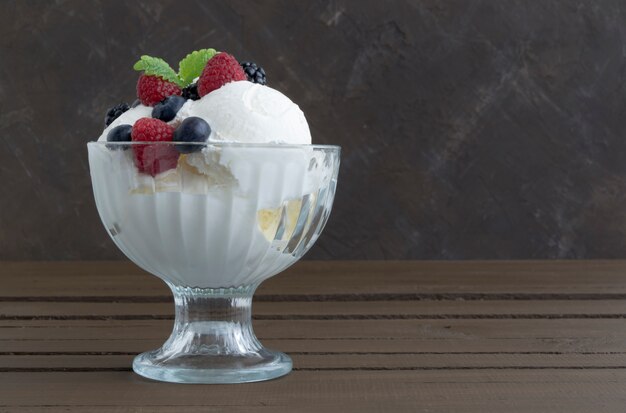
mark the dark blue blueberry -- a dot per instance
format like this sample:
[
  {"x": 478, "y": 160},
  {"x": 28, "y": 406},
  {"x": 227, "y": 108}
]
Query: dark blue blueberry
[
  {"x": 192, "y": 129},
  {"x": 119, "y": 133},
  {"x": 114, "y": 113},
  {"x": 166, "y": 109}
]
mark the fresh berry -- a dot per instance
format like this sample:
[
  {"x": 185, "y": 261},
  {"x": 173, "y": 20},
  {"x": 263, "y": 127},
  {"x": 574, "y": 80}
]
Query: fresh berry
[
  {"x": 114, "y": 113},
  {"x": 153, "y": 159},
  {"x": 153, "y": 89},
  {"x": 166, "y": 109},
  {"x": 191, "y": 92},
  {"x": 221, "y": 69},
  {"x": 255, "y": 73},
  {"x": 136, "y": 103},
  {"x": 192, "y": 129},
  {"x": 119, "y": 133}
]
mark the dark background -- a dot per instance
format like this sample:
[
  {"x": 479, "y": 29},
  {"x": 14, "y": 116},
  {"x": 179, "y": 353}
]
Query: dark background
[{"x": 470, "y": 129}]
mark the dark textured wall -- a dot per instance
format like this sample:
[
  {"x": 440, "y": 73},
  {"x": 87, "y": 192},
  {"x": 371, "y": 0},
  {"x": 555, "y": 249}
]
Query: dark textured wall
[{"x": 471, "y": 129}]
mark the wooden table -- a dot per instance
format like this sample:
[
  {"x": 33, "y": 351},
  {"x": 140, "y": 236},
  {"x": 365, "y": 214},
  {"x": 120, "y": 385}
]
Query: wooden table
[{"x": 365, "y": 336}]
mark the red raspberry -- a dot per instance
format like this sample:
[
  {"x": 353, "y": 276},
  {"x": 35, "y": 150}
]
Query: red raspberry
[
  {"x": 219, "y": 70},
  {"x": 153, "y": 89},
  {"x": 153, "y": 159}
]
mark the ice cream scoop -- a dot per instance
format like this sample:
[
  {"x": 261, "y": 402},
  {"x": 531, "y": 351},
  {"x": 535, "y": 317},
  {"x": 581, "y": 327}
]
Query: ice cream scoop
[{"x": 247, "y": 112}]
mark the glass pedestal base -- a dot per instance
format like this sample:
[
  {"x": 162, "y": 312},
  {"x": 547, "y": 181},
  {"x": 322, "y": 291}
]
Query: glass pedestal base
[
  {"x": 212, "y": 342},
  {"x": 198, "y": 368}
]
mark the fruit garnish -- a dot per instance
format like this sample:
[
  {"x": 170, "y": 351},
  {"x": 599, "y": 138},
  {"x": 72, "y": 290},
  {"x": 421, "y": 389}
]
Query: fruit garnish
[
  {"x": 120, "y": 133},
  {"x": 153, "y": 159},
  {"x": 220, "y": 70},
  {"x": 192, "y": 129},
  {"x": 191, "y": 92},
  {"x": 114, "y": 113},
  {"x": 255, "y": 73},
  {"x": 166, "y": 109},
  {"x": 153, "y": 89}
]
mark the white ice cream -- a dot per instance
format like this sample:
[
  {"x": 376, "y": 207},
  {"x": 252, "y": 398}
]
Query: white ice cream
[{"x": 246, "y": 112}]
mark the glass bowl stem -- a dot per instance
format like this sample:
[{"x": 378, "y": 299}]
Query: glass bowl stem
[{"x": 212, "y": 341}]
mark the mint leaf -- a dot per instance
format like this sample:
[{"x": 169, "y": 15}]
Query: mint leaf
[
  {"x": 158, "y": 67},
  {"x": 192, "y": 65}
]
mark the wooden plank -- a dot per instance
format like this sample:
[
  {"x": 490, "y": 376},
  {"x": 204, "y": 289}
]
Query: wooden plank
[
  {"x": 571, "y": 335},
  {"x": 497, "y": 345},
  {"x": 344, "y": 278},
  {"x": 347, "y": 361},
  {"x": 326, "y": 329},
  {"x": 467, "y": 391},
  {"x": 335, "y": 309},
  {"x": 486, "y": 406}
]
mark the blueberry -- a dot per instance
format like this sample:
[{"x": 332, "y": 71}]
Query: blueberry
[
  {"x": 119, "y": 133},
  {"x": 192, "y": 129},
  {"x": 166, "y": 109}
]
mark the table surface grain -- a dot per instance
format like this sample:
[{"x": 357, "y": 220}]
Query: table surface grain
[{"x": 505, "y": 336}]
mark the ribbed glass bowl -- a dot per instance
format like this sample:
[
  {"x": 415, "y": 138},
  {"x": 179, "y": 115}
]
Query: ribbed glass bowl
[{"x": 213, "y": 226}]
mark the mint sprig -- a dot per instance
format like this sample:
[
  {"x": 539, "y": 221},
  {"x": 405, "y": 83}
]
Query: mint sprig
[
  {"x": 188, "y": 69},
  {"x": 158, "y": 67},
  {"x": 192, "y": 65}
]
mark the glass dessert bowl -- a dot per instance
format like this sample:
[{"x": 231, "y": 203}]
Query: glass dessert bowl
[{"x": 222, "y": 220}]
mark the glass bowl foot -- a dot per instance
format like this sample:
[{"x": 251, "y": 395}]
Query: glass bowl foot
[{"x": 201, "y": 368}]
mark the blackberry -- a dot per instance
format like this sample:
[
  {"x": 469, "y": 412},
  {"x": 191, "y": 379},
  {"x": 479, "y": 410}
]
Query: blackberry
[
  {"x": 115, "y": 113},
  {"x": 191, "y": 92},
  {"x": 255, "y": 73}
]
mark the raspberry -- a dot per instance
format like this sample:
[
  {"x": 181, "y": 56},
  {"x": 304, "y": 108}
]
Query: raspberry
[
  {"x": 221, "y": 69},
  {"x": 153, "y": 159},
  {"x": 153, "y": 89}
]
